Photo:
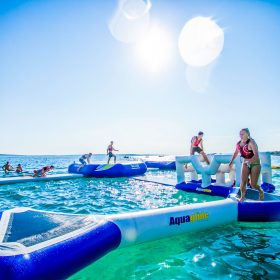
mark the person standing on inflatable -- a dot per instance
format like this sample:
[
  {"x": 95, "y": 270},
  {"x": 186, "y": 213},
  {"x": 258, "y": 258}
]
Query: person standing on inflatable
[
  {"x": 84, "y": 159},
  {"x": 110, "y": 154},
  {"x": 251, "y": 166},
  {"x": 197, "y": 146}
]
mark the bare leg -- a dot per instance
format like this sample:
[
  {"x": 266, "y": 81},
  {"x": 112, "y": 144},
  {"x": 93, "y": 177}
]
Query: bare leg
[
  {"x": 205, "y": 157},
  {"x": 255, "y": 173},
  {"x": 108, "y": 160},
  {"x": 115, "y": 159},
  {"x": 244, "y": 179}
]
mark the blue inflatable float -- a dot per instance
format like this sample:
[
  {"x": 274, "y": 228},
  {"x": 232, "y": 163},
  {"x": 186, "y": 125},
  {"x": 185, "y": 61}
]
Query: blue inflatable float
[
  {"x": 109, "y": 170},
  {"x": 163, "y": 165}
]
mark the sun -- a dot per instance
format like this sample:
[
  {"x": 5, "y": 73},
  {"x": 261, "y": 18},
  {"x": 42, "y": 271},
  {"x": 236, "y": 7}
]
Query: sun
[{"x": 154, "y": 52}]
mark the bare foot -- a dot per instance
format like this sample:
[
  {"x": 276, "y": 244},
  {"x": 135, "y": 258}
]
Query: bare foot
[
  {"x": 261, "y": 196},
  {"x": 241, "y": 199}
]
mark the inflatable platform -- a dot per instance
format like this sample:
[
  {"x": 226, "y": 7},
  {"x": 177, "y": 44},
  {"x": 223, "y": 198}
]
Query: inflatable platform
[{"x": 109, "y": 170}]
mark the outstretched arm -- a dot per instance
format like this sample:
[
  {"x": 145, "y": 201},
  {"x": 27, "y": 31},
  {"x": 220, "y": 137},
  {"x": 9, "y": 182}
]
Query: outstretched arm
[
  {"x": 233, "y": 157},
  {"x": 191, "y": 148}
]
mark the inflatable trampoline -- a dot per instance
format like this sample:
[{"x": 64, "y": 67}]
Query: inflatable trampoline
[
  {"x": 45, "y": 245},
  {"x": 109, "y": 170}
]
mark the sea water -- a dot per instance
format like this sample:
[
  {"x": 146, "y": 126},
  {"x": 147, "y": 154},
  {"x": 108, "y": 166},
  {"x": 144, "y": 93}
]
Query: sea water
[{"x": 238, "y": 251}]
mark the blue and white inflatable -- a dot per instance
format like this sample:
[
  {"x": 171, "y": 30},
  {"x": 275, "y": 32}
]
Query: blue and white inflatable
[
  {"x": 109, "y": 170},
  {"x": 163, "y": 165},
  {"x": 251, "y": 210},
  {"x": 44, "y": 245}
]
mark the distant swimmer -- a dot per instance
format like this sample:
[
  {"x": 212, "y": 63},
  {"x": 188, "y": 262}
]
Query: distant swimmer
[
  {"x": 7, "y": 167},
  {"x": 110, "y": 154},
  {"x": 197, "y": 146},
  {"x": 19, "y": 168},
  {"x": 85, "y": 159},
  {"x": 251, "y": 166},
  {"x": 42, "y": 172}
]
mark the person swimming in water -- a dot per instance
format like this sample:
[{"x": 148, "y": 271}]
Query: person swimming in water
[
  {"x": 251, "y": 166},
  {"x": 110, "y": 154},
  {"x": 42, "y": 172},
  {"x": 19, "y": 168},
  {"x": 7, "y": 167},
  {"x": 197, "y": 146},
  {"x": 85, "y": 159}
]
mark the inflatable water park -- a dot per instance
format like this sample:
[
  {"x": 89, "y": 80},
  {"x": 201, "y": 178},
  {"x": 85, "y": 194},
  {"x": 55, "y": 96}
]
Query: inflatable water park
[{"x": 38, "y": 244}]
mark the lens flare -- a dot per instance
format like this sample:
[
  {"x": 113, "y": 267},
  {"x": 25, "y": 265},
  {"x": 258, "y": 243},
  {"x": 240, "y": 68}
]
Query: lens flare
[{"x": 201, "y": 41}]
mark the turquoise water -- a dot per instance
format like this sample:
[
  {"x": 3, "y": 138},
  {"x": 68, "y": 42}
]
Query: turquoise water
[{"x": 239, "y": 251}]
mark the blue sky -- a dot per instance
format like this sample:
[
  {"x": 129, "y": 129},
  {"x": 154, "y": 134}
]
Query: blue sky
[{"x": 67, "y": 86}]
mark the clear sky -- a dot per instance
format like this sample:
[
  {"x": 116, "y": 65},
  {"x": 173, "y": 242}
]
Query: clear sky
[{"x": 67, "y": 86}]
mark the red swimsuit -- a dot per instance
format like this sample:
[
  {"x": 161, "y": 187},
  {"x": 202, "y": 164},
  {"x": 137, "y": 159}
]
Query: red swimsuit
[{"x": 244, "y": 150}]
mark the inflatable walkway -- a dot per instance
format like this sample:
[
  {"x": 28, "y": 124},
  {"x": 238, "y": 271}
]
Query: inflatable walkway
[{"x": 26, "y": 178}]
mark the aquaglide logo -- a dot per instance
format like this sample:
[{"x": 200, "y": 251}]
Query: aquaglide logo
[{"x": 188, "y": 218}]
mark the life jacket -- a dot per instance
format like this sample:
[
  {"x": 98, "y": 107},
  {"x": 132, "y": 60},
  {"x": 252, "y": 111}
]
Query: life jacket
[
  {"x": 196, "y": 141},
  {"x": 244, "y": 150}
]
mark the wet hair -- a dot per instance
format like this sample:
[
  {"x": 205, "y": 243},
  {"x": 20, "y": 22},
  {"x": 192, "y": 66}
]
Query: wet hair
[
  {"x": 200, "y": 133},
  {"x": 52, "y": 166},
  {"x": 246, "y": 130},
  {"x": 90, "y": 154}
]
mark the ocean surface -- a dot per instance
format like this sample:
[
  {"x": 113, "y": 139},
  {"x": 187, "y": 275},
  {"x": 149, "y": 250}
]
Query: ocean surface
[{"x": 237, "y": 251}]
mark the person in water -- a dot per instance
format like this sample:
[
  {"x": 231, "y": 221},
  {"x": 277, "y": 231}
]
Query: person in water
[
  {"x": 42, "y": 172},
  {"x": 19, "y": 168},
  {"x": 197, "y": 146},
  {"x": 110, "y": 154},
  {"x": 85, "y": 159},
  {"x": 7, "y": 167},
  {"x": 251, "y": 166}
]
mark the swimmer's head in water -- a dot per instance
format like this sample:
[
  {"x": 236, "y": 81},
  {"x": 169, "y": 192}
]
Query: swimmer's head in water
[
  {"x": 52, "y": 167},
  {"x": 244, "y": 134}
]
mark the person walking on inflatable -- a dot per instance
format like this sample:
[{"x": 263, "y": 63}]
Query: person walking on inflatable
[
  {"x": 251, "y": 166},
  {"x": 197, "y": 146},
  {"x": 110, "y": 154}
]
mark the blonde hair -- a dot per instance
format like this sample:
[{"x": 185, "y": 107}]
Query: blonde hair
[{"x": 247, "y": 131}]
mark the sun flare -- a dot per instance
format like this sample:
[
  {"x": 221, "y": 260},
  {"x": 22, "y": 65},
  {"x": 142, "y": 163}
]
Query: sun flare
[{"x": 155, "y": 50}]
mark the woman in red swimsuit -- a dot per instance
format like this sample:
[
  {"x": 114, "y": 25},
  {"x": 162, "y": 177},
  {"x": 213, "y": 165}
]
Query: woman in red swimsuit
[{"x": 251, "y": 166}]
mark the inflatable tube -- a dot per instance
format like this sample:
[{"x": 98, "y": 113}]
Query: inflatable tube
[
  {"x": 25, "y": 179},
  {"x": 109, "y": 170},
  {"x": 164, "y": 165},
  {"x": 45, "y": 245}
]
